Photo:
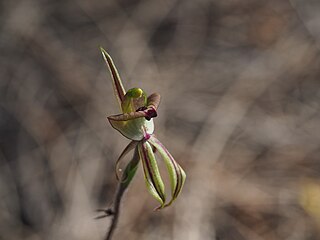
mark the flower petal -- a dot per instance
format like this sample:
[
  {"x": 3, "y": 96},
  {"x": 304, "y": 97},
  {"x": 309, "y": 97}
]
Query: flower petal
[
  {"x": 176, "y": 173},
  {"x": 118, "y": 88},
  {"x": 134, "y": 129},
  {"x": 128, "y": 116},
  {"x": 128, "y": 148},
  {"x": 129, "y": 171},
  {"x": 154, "y": 100},
  {"x": 151, "y": 172}
]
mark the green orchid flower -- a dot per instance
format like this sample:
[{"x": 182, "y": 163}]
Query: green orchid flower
[{"x": 136, "y": 123}]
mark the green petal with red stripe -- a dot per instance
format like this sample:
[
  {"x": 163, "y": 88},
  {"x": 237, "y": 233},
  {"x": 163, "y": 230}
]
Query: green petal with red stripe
[
  {"x": 128, "y": 148},
  {"x": 151, "y": 173},
  {"x": 130, "y": 171},
  {"x": 118, "y": 88},
  {"x": 176, "y": 173}
]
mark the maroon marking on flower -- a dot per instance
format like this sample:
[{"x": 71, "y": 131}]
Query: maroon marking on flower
[
  {"x": 146, "y": 136},
  {"x": 150, "y": 112}
]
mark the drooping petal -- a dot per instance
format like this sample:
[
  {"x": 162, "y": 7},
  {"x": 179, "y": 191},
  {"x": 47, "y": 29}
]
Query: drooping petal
[
  {"x": 118, "y": 88},
  {"x": 128, "y": 148},
  {"x": 176, "y": 173},
  {"x": 151, "y": 173},
  {"x": 132, "y": 127},
  {"x": 129, "y": 171}
]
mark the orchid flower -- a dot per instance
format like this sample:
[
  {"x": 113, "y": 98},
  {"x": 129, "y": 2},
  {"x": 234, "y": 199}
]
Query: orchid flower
[{"x": 136, "y": 123}]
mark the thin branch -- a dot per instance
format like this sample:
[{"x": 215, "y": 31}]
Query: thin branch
[{"x": 114, "y": 211}]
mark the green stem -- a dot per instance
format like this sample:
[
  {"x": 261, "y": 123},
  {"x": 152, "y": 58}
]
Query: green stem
[{"x": 126, "y": 178}]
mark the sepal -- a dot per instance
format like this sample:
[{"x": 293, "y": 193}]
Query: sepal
[
  {"x": 118, "y": 88},
  {"x": 176, "y": 173},
  {"x": 151, "y": 173}
]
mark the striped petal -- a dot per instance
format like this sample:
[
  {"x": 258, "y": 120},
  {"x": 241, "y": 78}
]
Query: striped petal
[
  {"x": 153, "y": 100},
  {"x": 176, "y": 173},
  {"x": 148, "y": 113},
  {"x": 128, "y": 148},
  {"x": 129, "y": 171},
  {"x": 118, "y": 88},
  {"x": 151, "y": 173}
]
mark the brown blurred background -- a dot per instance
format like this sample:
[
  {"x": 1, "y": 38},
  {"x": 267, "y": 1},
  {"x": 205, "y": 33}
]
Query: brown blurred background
[{"x": 240, "y": 112}]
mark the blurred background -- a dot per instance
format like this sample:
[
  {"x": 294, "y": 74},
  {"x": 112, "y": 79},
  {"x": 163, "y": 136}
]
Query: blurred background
[{"x": 239, "y": 81}]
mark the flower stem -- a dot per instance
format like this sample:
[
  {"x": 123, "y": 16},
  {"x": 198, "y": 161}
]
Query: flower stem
[{"x": 126, "y": 178}]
